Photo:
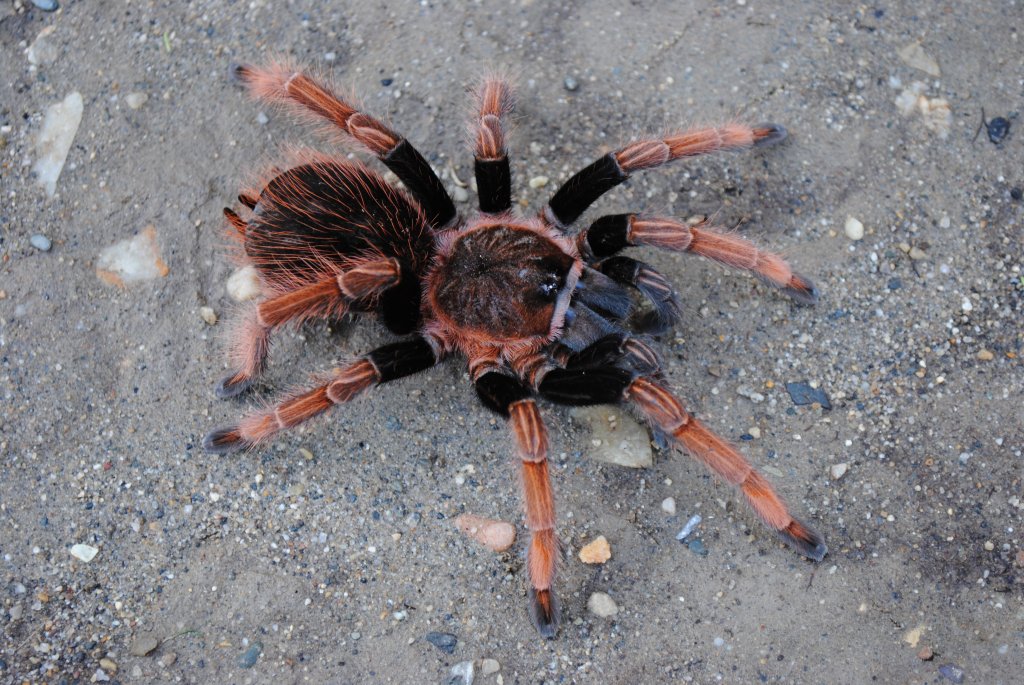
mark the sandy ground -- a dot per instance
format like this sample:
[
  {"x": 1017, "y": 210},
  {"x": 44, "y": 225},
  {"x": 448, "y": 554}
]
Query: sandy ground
[{"x": 331, "y": 553}]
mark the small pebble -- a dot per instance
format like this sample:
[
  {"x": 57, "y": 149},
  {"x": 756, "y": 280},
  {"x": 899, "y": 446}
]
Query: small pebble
[
  {"x": 966, "y": 305},
  {"x": 697, "y": 547},
  {"x": 41, "y": 242},
  {"x": 144, "y": 646},
  {"x": 136, "y": 100},
  {"x": 538, "y": 182},
  {"x": 985, "y": 355},
  {"x": 917, "y": 254},
  {"x": 913, "y": 55},
  {"x": 601, "y": 604},
  {"x": 243, "y": 284},
  {"x": 802, "y": 393},
  {"x": 688, "y": 528},
  {"x": 46, "y": 5},
  {"x": 132, "y": 260},
  {"x": 597, "y": 552},
  {"x": 489, "y": 666},
  {"x": 926, "y": 654},
  {"x": 989, "y": 546},
  {"x": 444, "y": 641},
  {"x": 952, "y": 673},
  {"x": 854, "y": 228},
  {"x": 837, "y": 471},
  {"x": 249, "y": 657},
  {"x": 750, "y": 394},
  {"x": 668, "y": 505},
  {"x": 55, "y": 138},
  {"x": 462, "y": 673},
  {"x": 571, "y": 84},
  {"x": 84, "y": 553},
  {"x": 208, "y": 315},
  {"x": 167, "y": 660},
  {"x": 108, "y": 665},
  {"x": 460, "y": 194},
  {"x": 997, "y": 128},
  {"x": 491, "y": 533}
]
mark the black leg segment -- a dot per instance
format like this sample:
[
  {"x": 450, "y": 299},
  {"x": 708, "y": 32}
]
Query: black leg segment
[
  {"x": 494, "y": 185},
  {"x": 609, "y": 234},
  {"x": 578, "y": 387},
  {"x": 498, "y": 391},
  {"x": 414, "y": 171},
  {"x": 580, "y": 191},
  {"x": 400, "y": 359}
]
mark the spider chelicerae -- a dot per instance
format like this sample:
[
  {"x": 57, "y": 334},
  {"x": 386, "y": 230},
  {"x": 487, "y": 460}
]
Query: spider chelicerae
[{"x": 536, "y": 307}]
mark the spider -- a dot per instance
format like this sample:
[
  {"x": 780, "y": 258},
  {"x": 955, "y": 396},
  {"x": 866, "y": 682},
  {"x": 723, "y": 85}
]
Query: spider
[{"x": 535, "y": 307}]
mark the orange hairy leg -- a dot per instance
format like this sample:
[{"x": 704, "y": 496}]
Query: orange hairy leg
[
  {"x": 386, "y": 363},
  {"x": 329, "y": 296},
  {"x": 610, "y": 234},
  {"x": 510, "y": 397},
  {"x": 531, "y": 441},
  {"x": 664, "y": 411},
  {"x": 307, "y": 95},
  {"x": 491, "y": 166}
]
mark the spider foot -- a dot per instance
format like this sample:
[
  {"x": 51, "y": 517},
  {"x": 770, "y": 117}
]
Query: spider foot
[
  {"x": 804, "y": 540},
  {"x": 802, "y": 290},
  {"x": 233, "y": 385},
  {"x": 769, "y": 134},
  {"x": 545, "y": 612},
  {"x": 224, "y": 441}
]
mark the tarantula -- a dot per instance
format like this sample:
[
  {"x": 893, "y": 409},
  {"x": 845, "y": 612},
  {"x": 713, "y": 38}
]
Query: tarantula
[{"x": 535, "y": 307}]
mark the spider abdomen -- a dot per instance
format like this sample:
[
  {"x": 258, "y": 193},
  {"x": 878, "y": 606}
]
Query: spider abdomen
[
  {"x": 502, "y": 282},
  {"x": 324, "y": 216}
]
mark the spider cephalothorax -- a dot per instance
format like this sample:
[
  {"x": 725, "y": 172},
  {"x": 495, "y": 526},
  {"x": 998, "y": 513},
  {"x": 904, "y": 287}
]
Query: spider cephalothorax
[{"x": 535, "y": 308}]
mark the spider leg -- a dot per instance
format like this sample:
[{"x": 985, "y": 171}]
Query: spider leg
[
  {"x": 385, "y": 363},
  {"x": 601, "y": 385},
  {"x": 582, "y": 189},
  {"x": 610, "y": 234},
  {"x": 493, "y": 176},
  {"x": 329, "y": 296},
  {"x": 511, "y": 398},
  {"x": 652, "y": 284},
  {"x": 300, "y": 91}
]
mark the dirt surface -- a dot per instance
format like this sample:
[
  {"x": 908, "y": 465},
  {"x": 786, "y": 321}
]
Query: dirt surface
[{"x": 331, "y": 554}]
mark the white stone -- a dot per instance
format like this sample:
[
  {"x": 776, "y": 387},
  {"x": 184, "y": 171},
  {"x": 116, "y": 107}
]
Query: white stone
[
  {"x": 208, "y": 315},
  {"x": 462, "y": 672},
  {"x": 43, "y": 51},
  {"x": 84, "y": 553},
  {"x": 668, "y": 505},
  {"x": 600, "y": 604},
  {"x": 854, "y": 228},
  {"x": 837, "y": 471},
  {"x": 913, "y": 55},
  {"x": 244, "y": 284},
  {"x": 489, "y": 666},
  {"x": 133, "y": 260},
  {"x": 616, "y": 437},
  {"x": 135, "y": 100},
  {"x": 538, "y": 182},
  {"x": 55, "y": 138}
]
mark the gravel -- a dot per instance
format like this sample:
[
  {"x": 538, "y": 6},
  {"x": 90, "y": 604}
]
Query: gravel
[{"x": 106, "y": 390}]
